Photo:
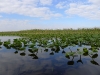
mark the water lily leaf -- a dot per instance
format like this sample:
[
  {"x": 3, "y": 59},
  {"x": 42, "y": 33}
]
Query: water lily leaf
[
  {"x": 51, "y": 53},
  {"x": 63, "y": 51},
  {"x": 67, "y": 56},
  {"x": 35, "y": 57},
  {"x": 79, "y": 61},
  {"x": 52, "y": 49},
  {"x": 21, "y": 48},
  {"x": 78, "y": 49},
  {"x": 30, "y": 50},
  {"x": 73, "y": 45},
  {"x": 70, "y": 63},
  {"x": 85, "y": 54},
  {"x": 31, "y": 54},
  {"x": 16, "y": 52},
  {"x": 46, "y": 50},
  {"x": 64, "y": 45},
  {"x": 50, "y": 45},
  {"x": 85, "y": 50},
  {"x": 91, "y": 53},
  {"x": 80, "y": 52},
  {"x": 32, "y": 45},
  {"x": 71, "y": 53},
  {"x": 80, "y": 39},
  {"x": 94, "y": 50},
  {"x": 35, "y": 49},
  {"x": 95, "y": 56},
  {"x": 94, "y": 62},
  {"x": 22, "y": 54},
  {"x": 1, "y": 43}
]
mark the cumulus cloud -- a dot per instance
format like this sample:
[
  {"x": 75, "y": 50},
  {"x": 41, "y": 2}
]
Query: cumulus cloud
[
  {"x": 90, "y": 10},
  {"x": 62, "y": 5},
  {"x": 46, "y": 2},
  {"x": 28, "y": 8},
  {"x": 95, "y": 1}
]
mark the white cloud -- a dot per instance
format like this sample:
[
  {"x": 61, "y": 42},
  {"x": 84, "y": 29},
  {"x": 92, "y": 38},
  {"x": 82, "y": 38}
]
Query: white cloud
[
  {"x": 46, "y": 2},
  {"x": 95, "y": 1},
  {"x": 65, "y": 4},
  {"x": 62, "y": 5},
  {"x": 28, "y": 8},
  {"x": 91, "y": 11},
  {"x": 15, "y": 25}
]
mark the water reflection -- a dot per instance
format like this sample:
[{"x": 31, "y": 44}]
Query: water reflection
[
  {"x": 34, "y": 51},
  {"x": 47, "y": 61},
  {"x": 80, "y": 60},
  {"x": 71, "y": 62}
]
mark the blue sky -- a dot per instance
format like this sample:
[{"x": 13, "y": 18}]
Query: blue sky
[{"x": 48, "y": 14}]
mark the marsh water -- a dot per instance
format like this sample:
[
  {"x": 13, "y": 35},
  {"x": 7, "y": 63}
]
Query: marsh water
[{"x": 46, "y": 62}]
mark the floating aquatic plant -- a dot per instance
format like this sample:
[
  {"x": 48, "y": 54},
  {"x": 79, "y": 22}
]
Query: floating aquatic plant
[{"x": 56, "y": 40}]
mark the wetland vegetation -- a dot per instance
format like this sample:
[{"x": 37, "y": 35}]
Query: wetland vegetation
[{"x": 66, "y": 50}]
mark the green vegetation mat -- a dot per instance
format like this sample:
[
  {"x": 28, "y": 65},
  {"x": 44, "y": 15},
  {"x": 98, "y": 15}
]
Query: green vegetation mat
[{"x": 56, "y": 39}]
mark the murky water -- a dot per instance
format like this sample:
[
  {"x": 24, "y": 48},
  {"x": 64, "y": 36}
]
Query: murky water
[{"x": 47, "y": 62}]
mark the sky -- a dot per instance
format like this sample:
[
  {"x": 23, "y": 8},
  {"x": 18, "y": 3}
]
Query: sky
[{"x": 18, "y": 15}]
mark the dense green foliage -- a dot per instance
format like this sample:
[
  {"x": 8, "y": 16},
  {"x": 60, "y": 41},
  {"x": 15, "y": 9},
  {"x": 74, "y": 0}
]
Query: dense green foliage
[
  {"x": 63, "y": 37},
  {"x": 53, "y": 32},
  {"x": 55, "y": 40}
]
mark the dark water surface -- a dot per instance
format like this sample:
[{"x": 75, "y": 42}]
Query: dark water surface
[{"x": 46, "y": 63}]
